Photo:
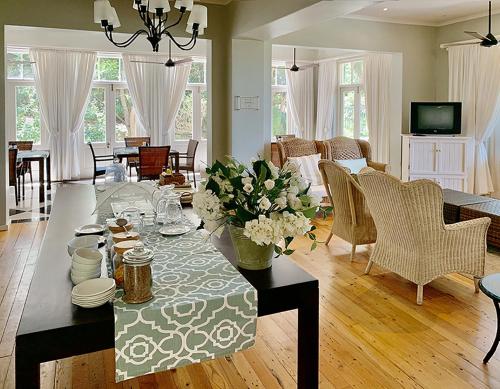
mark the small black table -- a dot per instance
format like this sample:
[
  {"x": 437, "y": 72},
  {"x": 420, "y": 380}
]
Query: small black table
[
  {"x": 38, "y": 156},
  {"x": 490, "y": 285},
  {"x": 52, "y": 327}
]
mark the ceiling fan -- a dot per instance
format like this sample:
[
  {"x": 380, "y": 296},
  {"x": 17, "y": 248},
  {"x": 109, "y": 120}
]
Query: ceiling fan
[
  {"x": 170, "y": 62},
  {"x": 295, "y": 67},
  {"x": 486, "y": 41}
]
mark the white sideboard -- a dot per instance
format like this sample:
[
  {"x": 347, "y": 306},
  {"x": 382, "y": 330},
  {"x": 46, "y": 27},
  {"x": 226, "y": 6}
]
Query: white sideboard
[{"x": 447, "y": 160}]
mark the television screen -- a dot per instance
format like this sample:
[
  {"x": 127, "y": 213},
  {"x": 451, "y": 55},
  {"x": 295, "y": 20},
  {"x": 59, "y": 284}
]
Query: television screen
[{"x": 436, "y": 118}]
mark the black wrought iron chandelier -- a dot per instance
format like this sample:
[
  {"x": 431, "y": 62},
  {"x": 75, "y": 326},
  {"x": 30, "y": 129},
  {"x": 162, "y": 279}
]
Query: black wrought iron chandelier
[{"x": 155, "y": 15}]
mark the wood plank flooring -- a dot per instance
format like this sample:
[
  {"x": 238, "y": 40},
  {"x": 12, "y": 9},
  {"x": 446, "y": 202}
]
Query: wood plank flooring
[{"x": 373, "y": 335}]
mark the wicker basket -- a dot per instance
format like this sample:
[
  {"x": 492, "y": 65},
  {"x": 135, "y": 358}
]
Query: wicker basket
[
  {"x": 490, "y": 209},
  {"x": 174, "y": 178}
]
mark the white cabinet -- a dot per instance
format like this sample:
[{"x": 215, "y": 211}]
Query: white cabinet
[{"x": 446, "y": 160}]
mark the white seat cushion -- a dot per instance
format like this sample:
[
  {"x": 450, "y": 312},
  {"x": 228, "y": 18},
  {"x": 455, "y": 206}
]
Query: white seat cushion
[
  {"x": 318, "y": 191},
  {"x": 354, "y": 165},
  {"x": 309, "y": 169}
]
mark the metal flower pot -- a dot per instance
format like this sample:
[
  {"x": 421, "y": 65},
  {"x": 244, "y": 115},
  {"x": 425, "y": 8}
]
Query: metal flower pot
[{"x": 249, "y": 254}]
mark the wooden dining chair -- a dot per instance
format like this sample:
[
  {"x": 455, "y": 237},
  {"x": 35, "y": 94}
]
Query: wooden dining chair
[
  {"x": 24, "y": 145},
  {"x": 99, "y": 170},
  {"x": 152, "y": 161},
  {"x": 15, "y": 173},
  {"x": 189, "y": 159},
  {"x": 135, "y": 141}
]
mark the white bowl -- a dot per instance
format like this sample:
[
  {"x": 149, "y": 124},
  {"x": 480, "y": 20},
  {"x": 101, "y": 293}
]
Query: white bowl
[
  {"x": 85, "y": 261},
  {"x": 87, "y": 255},
  {"x": 77, "y": 280},
  {"x": 87, "y": 241},
  {"x": 94, "y": 273},
  {"x": 75, "y": 266},
  {"x": 94, "y": 288}
]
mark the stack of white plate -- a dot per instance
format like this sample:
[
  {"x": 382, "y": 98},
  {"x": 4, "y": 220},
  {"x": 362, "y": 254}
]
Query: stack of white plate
[
  {"x": 85, "y": 265},
  {"x": 93, "y": 293}
]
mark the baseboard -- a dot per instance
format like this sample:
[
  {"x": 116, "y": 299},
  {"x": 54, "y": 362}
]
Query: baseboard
[{"x": 4, "y": 227}]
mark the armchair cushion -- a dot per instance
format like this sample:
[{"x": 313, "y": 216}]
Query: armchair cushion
[
  {"x": 296, "y": 147},
  {"x": 354, "y": 165},
  {"x": 308, "y": 165}
]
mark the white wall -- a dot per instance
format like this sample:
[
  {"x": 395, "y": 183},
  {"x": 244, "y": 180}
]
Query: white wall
[{"x": 251, "y": 76}]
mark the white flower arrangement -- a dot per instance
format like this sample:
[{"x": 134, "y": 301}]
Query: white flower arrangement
[{"x": 272, "y": 205}]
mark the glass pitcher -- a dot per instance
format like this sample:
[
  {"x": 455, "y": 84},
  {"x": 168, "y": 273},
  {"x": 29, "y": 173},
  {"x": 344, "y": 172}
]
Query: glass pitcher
[
  {"x": 169, "y": 209},
  {"x": 158, "y": 194},
  {"x": 133, "y": 215}
]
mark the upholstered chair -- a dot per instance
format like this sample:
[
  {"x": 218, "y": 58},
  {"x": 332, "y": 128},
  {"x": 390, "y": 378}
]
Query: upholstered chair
[
  {"x": 342, "y": 147},
  {"x": 412, "y": 239},
  {"x": 296, "y": 147},
  {"x": 351, "y": 218}
]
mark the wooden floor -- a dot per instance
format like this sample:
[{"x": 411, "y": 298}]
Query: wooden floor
[{"x": 373, "y": 335}]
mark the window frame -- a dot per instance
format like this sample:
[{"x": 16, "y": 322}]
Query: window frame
[
  {"x": 358, "y": 89},
  {"x": 196, "y": 89},
  {"x": 280, "y": 88}
]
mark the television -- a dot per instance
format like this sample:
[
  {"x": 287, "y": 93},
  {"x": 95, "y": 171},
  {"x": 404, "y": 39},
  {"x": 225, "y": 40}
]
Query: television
[{"x": 436, "y": 118}]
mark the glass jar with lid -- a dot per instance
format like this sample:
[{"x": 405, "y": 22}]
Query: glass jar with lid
[{"x": 137, "y": 274}]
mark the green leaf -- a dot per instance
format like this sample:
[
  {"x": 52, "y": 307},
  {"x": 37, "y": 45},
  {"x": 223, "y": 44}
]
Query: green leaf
[
  {"x": 288, "y": 252},
  {"x": 314, "y": 245},
  {"x": 310, "y": 213},
  {"x": 244, "y": 215},
  {"x": 213, "y": 186}
]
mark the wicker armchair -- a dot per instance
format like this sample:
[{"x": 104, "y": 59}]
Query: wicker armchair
[
  {"x": 342, "y": 147},
  {"x": 295, "y": 147},
  {"x": 412, "y": 239},
  {"x": 351, "y": 218}
]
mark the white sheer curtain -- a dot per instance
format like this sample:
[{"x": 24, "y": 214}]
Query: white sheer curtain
[
  {"x": 494, "y": 161},
  {"x": 63, "y": 79},
  {"x": 474, "y": 79},
  {"x": 327, "y": 100},
  {"x": 300, "y": 93},
  {"x": 157, "y": 93},
  {"x": 377, "y": 75}
]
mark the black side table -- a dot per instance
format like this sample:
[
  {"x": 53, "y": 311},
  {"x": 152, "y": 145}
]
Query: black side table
[{"x": 490, "y": 285}]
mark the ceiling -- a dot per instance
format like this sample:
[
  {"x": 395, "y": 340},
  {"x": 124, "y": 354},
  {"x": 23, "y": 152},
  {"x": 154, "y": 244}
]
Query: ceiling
[{"x": 426, "y": 12}]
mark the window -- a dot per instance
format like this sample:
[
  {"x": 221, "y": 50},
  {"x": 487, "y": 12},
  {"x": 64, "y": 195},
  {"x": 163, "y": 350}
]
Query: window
[
  {"x": 27, "y": 114},
  {"x": 125, "y": 119},
  {"x": 352, "y": 118},
  {"x": 110, "y": 116},
  {"x": 94, "y": 125},
  {"x": 280, "y": 117},
  {"x": 192, "y": 119},
  {"x": 24, "y": 115}
]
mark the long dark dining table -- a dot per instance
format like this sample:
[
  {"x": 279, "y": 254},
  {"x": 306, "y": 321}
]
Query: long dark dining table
[
  {"x": 51, "y": 327},
  {"x": 38, "y": 156},
  {"x": 133, "y": 152}
]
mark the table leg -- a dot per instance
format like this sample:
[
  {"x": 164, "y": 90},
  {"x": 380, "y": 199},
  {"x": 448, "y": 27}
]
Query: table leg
[
  {"x": 47, "y": 166},
  {"x": 41, "y": 168},
  {"x": 27, "y": 373},
  {"x": 497, "y": 337},
  {"x": 177, "y": 163},
  {"x": 308, "y": 341}
]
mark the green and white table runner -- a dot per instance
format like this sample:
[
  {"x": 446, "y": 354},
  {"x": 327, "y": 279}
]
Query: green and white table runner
[{"x": 203, "y": 308}]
